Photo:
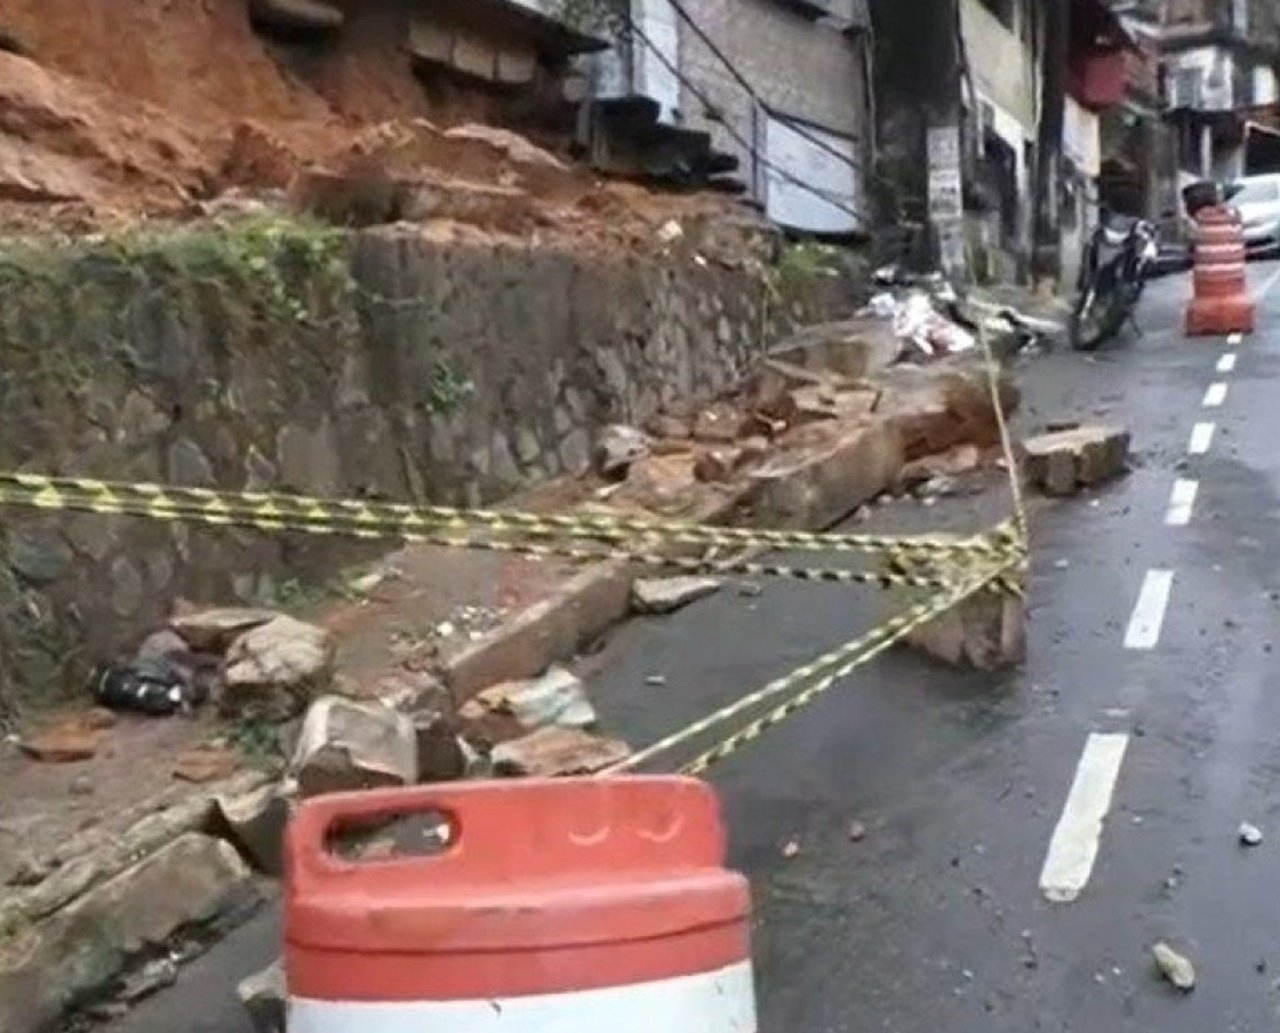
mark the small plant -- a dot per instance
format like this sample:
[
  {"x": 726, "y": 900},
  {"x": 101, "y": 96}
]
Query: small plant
[
  {"x": 447, "y": 390},
  {"x": 257, "y": 740}
]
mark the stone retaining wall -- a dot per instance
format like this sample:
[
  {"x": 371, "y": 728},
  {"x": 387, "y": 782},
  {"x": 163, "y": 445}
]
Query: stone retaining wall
[{"x": 392, "y": 364}]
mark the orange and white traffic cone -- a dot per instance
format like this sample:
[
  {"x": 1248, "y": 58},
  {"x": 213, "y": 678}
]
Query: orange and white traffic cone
[
  {"x": 1220, "y": 303},
  {"x": 574, "y": 905}
]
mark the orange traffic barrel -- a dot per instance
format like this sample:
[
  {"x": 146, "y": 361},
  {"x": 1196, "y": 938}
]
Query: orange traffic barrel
[
  {"x": 594, "y": 905},
  {"x": 1220, "y": 301}
]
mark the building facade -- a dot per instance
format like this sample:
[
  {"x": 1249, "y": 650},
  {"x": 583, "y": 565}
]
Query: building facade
[
  {"x": 779, "y": 89},
  {"x": 1220, "y": 86}
]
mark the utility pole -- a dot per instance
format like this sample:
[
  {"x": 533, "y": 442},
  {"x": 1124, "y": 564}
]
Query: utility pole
[
  {"x": 918, "y": 75},
  {"x": 1046, "y": 259}
]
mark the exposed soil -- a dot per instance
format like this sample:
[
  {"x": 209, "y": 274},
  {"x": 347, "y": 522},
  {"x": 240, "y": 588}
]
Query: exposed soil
[{"x": 155, "y": 108}]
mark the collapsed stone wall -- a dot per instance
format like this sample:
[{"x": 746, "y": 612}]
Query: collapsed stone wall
[{"x": 259, "y": 356}]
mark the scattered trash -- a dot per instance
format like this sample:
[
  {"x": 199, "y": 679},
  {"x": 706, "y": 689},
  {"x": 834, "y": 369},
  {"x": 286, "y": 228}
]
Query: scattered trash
[
  {"x": 857, "y": 832},
  {"x": 1250, "y": 835},
  {"x": 670, "y": 231},
  {"x": 157, "y": 687},
  {"x": 656, "y": 681},
  {"x": 1175, "y": 967},
  {"x": 557, "y": 698},
  {"x": 1061, "y": 564},
  {"x": 791, "y": 849},
  {"x": 666, "y": 595},
  {"x": 750, "y": 590}
]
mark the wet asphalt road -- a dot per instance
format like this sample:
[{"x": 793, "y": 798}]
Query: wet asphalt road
[{"x": 936, "y": 920}]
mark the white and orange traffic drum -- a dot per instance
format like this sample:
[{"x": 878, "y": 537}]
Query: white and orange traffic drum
[{"x": 595, "y": 905}]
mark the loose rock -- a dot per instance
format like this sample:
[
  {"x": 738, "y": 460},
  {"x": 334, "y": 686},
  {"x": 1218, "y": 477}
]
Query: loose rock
[
  {"x": 550, "y": 752},
  {"x": 1174, "y": 967},
  {"x": 255, "y": 824},
  {"x": 276, "y": 669},
  {"x": 721, "y": 423},
  {"x": 78, "y": 952},
  {"x": 347, "y": 745},
  {"x": 857, "y": 832},
  {"x": 1250, "y": 835},
  {"x": 619, "y": 448},
  {"x": 263, "y": 996},
  {"x": 717, "y": 465},
  {"x": 68, "y": 742},
  {"x": 666, "y": 595},
  {"x": 213, "y": 631},
  {"x": 203, "y": 764},
  {"x": 153, "y": 976}
]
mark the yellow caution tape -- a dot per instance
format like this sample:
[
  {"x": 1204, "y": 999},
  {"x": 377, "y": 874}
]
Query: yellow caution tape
[
  {"x": 829, "y": 669},
  {"x": 273, "y": 508},
  {"x": 274, "y": 519}
]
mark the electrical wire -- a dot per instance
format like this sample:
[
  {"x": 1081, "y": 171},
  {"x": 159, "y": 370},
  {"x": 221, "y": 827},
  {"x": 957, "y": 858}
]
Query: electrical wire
[
  {"x": 736, "y": 136},
  {"x": 754, "y": 94}
]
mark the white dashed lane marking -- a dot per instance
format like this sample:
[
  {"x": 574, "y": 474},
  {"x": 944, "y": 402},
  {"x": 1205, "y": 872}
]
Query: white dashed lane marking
[
  {"x": 1227, "y": 363},
  {"x": 1074, "y": 846},
  {"x": 1181, "y": 501},
  {"x": 1215, "y": 396},
  {"x": 1234, "y": 339},
  {"x": 1201, "y": 439},
  {"x": 1148, "y": 613}
]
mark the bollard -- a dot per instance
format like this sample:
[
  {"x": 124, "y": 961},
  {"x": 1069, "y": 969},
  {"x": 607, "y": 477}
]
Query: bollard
[
  {"x": 574, "y": 905},
  {"x": 1220, "y": 302}
]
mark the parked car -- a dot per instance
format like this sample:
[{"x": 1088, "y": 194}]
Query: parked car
[{"x": 1257, "y": 199}]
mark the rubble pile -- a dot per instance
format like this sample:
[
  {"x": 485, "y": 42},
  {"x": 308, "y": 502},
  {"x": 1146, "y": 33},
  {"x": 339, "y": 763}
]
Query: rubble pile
[{"x": 112, "y": 121}]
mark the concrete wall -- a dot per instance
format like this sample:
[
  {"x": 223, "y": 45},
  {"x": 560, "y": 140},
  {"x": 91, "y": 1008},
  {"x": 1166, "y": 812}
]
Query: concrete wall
[
  {"x": 1001, "y": 64},
  {"x": 800, "y": 69},
  {"x": 471, "y": 370}
]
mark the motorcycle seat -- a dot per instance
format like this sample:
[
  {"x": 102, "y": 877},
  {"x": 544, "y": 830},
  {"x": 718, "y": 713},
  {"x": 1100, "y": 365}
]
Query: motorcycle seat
[{"x": 1113, "y": 237}]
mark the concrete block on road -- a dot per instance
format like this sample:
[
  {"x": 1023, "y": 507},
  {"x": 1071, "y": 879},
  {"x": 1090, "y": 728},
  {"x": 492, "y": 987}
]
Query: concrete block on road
[
  {"x": 1063, "y": 462},
  {"x": 986, "y": 632}
]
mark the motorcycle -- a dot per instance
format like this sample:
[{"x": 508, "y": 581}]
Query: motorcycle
[{"x": 1113, "y": 274}]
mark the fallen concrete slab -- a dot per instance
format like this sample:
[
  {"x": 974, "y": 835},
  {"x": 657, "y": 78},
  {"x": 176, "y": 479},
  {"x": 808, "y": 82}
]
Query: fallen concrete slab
[{"x": 1063, "y": 462}]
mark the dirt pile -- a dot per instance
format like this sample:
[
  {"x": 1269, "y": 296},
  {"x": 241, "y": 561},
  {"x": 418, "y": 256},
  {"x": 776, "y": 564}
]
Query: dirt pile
[{"x": 158, "y": 108}]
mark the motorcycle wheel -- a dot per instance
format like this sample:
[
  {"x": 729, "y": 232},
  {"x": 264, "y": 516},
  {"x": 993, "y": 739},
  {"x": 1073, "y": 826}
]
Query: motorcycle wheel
[
  {"x": 1085, "y": 326},
  {"x": 1096, "y": 320}
]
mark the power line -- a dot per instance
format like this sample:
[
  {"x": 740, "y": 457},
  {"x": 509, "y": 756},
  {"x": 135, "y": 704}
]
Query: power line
[
  {"x": 754, "y": 94},
  {"x": 748, "y": 146}
]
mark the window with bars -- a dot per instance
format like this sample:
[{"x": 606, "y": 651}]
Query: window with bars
[{"x": 1186, "y": 88}]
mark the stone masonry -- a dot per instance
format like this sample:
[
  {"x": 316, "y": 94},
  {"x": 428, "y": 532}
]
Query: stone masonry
[{"x": 476, "y": 369}]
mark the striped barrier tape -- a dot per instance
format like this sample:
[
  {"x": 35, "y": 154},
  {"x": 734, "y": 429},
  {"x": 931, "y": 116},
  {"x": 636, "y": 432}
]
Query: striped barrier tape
[
  {"x": 274, "y": 507},
  {"x": 1008, "y": 560},
  {"x": 275, "y": 520},
  {"x": 827, "y": 669}
]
